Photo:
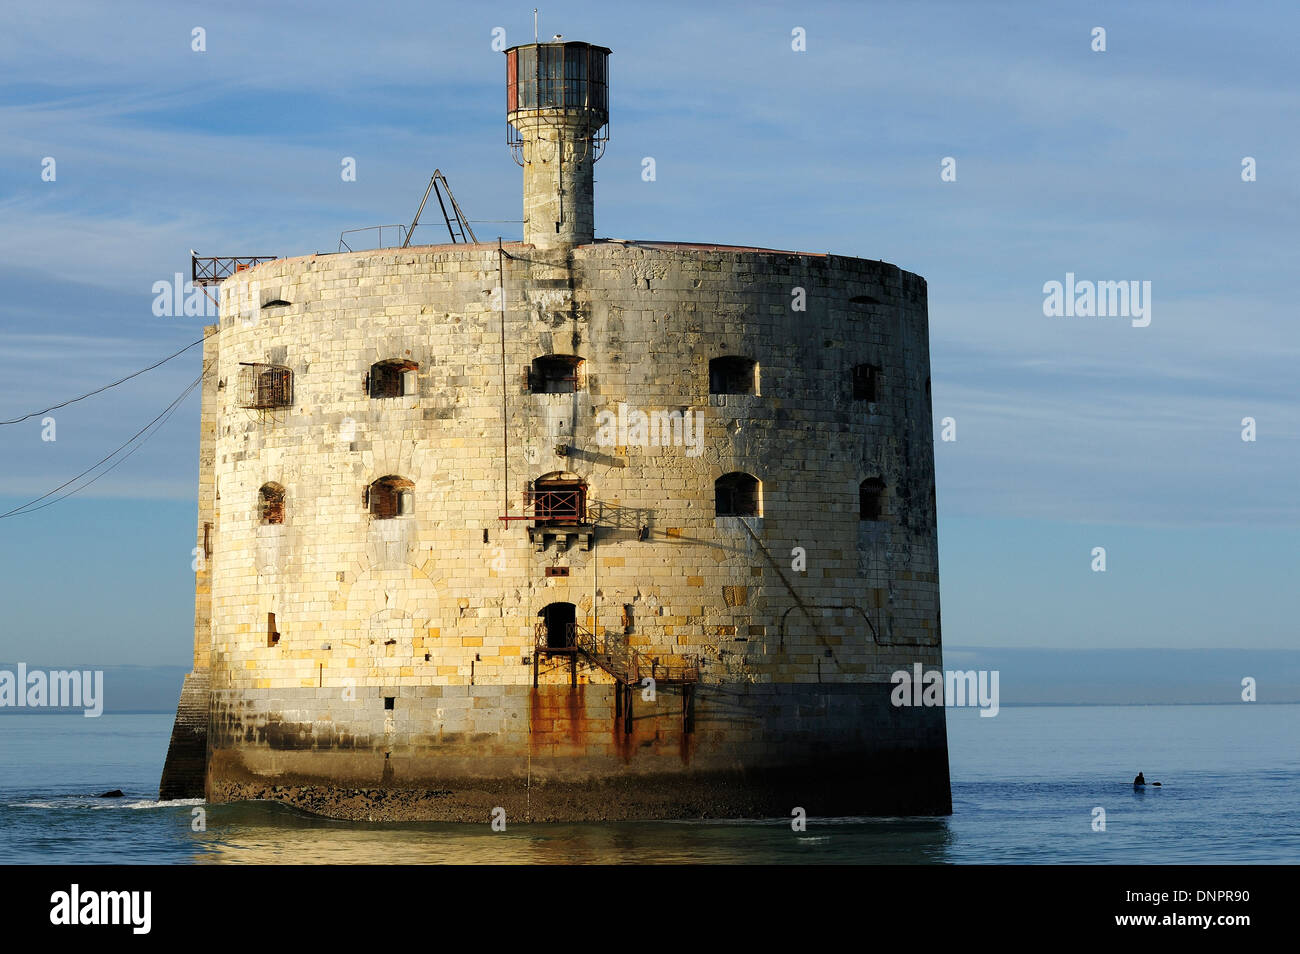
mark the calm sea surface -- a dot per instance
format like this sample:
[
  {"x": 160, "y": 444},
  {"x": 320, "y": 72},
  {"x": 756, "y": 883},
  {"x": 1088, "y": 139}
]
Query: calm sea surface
[{"x": 1025, "y": 785}]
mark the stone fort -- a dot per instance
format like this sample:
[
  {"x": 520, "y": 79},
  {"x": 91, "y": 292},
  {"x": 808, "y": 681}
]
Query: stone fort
[{"x": 579, "y": 528}]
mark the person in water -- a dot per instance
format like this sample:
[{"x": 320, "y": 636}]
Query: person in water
[{"x": 1140, "y": 780}]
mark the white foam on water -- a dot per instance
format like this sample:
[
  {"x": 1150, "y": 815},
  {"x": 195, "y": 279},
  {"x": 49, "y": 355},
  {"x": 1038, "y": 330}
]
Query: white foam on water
[{"x": 150, "y": 803}]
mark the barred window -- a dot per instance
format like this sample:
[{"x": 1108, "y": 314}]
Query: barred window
[
  {"x": 271, "y": 501},
  {"x": 264, "y": 386}
]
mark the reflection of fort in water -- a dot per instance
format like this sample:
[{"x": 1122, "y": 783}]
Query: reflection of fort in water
[{"x": 265, "y": 834}]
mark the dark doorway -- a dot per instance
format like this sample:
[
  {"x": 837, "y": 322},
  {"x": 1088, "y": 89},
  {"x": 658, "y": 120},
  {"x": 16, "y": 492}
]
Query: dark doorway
[{"x": 558, "y": 625}]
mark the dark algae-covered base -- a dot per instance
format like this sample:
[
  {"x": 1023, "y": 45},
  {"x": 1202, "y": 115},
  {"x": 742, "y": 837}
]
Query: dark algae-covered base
[{"x": 760, "y": 752}]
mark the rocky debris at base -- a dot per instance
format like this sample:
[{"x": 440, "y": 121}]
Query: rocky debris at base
[
  {"x": 354, "y": 804},
  {"x": 593, "y": 802}
]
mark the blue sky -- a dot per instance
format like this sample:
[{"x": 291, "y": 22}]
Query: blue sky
[{"x": 1071, "y": 433}]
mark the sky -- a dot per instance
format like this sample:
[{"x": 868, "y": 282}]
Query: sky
[{"x": 1071, "y": 433}]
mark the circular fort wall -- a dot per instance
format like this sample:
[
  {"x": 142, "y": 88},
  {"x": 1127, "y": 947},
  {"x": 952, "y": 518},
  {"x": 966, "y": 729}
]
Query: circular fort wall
[{"x": 321, "y": 618}]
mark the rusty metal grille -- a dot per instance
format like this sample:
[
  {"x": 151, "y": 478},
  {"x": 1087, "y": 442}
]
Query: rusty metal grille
[
  {"x": 383, "y": 502},
  {"x": 558, "y": 505},
  {"x": 272, "y": 505},
  {"x": 264, "y": 386}
]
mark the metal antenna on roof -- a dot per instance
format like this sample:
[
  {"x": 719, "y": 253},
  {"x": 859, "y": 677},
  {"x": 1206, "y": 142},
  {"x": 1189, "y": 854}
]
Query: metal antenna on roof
[
  {"x": 459, "y": 224},
  {"x": 534, "y": 24}
]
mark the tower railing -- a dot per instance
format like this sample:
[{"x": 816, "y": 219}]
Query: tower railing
[
  {"x": 553, "y": 507},
  {"x": 400, "y": 229},
  {"x": 613, "y": 654}
]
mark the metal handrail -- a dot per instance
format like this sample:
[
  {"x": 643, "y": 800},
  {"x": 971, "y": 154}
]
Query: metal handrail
[
  {"x": 214, "y": 269},
  {"x": 618, "y": 658},
  {"x": 401, "y": 233}
]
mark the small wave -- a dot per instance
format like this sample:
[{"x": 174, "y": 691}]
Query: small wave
[
  {"x": 97, "y": 803},
  {"x": 145, "y": 803}
]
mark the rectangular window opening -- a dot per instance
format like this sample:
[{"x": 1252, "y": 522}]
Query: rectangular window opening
[{"x": 866, "y": 383}]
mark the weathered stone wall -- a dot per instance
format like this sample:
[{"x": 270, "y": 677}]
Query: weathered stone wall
[
  {"x": 185, "y": 768},
  {"x": 557, "y": 752},
  {"x": 209, "y": 409},
  {"x": 421, "y": 609},
  {"x": 559, "y": 197}
]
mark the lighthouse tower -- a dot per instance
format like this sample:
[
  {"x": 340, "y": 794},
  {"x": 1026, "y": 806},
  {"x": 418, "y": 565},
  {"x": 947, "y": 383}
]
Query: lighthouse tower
[{"x": 557, "y": 115}]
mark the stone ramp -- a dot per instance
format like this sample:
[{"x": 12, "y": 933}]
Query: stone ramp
[{"x": 185, "y": 771}]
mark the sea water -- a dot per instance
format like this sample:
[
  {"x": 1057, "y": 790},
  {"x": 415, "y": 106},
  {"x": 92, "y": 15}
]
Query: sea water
[{"x": 1027, "y": 785}]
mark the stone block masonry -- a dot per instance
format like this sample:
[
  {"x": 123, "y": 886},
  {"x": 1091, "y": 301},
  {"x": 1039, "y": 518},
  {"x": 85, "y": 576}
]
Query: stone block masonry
[{"x": 351, "y": 652}]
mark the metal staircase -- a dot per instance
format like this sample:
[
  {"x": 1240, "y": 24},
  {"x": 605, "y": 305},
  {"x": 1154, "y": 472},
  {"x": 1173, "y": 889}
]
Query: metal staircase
[{"x": 612, "y": 654}]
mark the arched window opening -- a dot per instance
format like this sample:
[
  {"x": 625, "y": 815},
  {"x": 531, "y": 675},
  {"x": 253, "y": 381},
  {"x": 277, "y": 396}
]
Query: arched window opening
[
  {"x": 390, "y": 497},
  {"x": 388, "y": 379},
  {"x": 736, "y": 495},
  {"x": 733, "y": 374},
  {"x": 556, "y": 374},
  {"x": 263, "y": 386},
  {"x": 271, "y": 503},
  {"x": 866, "y": 382},
  {"x": 871, "y": 499},
  {"x": 557, "y": 626}
]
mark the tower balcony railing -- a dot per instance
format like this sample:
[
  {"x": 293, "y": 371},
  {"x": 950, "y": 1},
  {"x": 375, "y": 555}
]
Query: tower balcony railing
[
  {"x": 557, "y": 507},
  {"x": 346, "y": 244}
]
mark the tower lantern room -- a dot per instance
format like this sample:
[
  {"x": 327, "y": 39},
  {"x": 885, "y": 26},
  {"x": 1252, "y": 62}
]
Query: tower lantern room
[{"x": 557, "y": 116}]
